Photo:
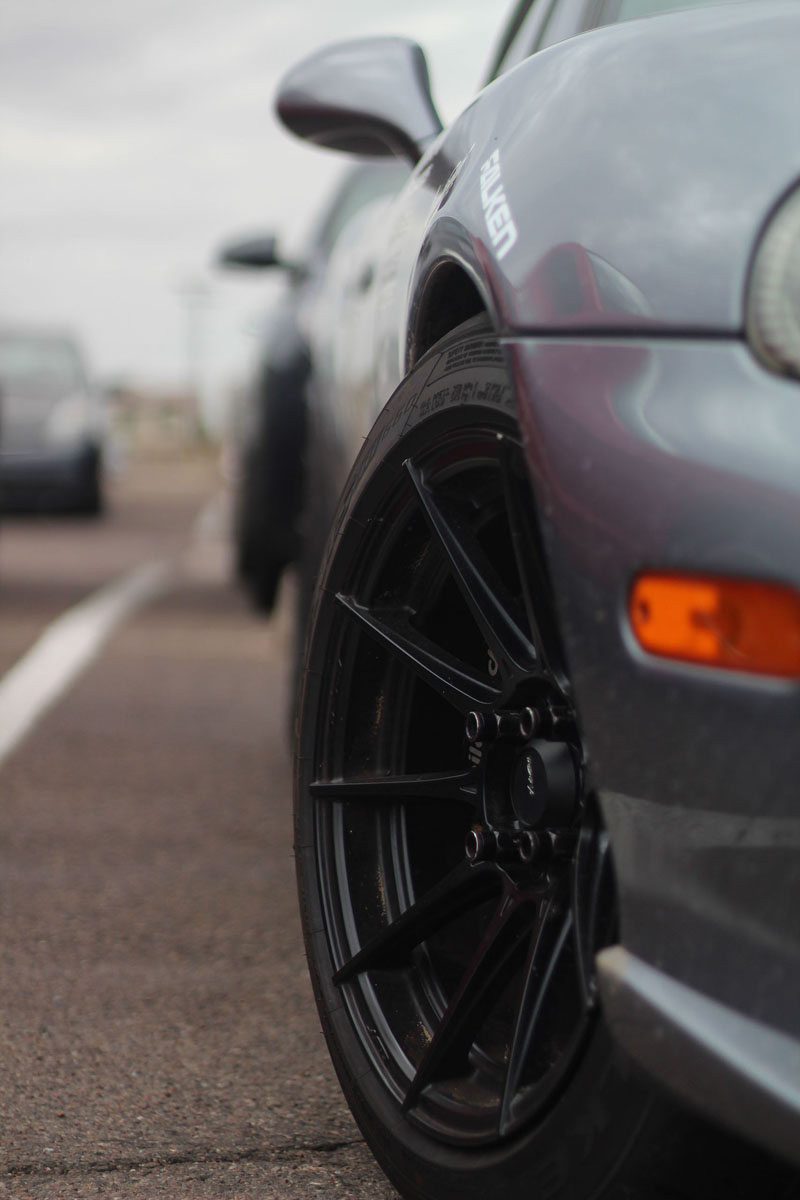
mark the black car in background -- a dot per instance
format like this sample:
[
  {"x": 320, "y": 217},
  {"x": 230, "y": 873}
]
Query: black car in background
[
  {"x": 546, "y": 787},
  {"x": 52, "y": 422},
  {"x": 270, "y": 498}
]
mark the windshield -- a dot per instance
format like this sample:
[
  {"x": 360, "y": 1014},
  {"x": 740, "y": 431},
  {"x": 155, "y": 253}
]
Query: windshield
[
  {"x": 36, "y": 367},
  {"x": 628, "y": 10},
  {"x": 535, "y": 24}
]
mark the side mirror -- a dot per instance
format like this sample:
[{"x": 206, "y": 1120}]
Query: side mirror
[
  {"x": 371, "y": 96},
  {"x": 255, "y": 252}
]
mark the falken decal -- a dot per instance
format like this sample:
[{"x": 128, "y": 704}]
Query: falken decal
[{"x": 496, "y": 211}]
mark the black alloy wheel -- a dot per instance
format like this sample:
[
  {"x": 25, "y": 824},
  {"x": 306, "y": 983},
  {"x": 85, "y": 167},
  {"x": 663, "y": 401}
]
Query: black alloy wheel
[{"x": 455, "y": 878}]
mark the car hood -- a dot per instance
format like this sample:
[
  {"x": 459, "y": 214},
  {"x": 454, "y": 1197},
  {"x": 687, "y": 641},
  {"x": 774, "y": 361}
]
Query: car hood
[{"x": 637, "y": 165}]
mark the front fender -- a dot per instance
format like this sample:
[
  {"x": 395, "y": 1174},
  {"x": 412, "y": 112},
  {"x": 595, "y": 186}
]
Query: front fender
[{"x": 618, "y": 181}]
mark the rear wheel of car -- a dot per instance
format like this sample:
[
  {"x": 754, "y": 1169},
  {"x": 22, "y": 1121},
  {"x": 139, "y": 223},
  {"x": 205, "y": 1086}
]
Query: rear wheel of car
[
  {"x": 455, "y": 878},
  {"x": 269, "y": 497}
]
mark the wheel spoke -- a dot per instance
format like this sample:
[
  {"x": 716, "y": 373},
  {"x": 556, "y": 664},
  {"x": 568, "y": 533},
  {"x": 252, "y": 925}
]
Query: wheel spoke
[
  {"x": 461, "y": 889},
  {"x": 602, "y": 861},
  {"x": 591, "y": 863},
  {"x": 475, "y": 994},
  {"x": 528, "y": 557},
  {"x": 452, "y": 679},
  {"x": 460, "y": 786},
  {"x": 486, "y": 597},
  {"x": 549, "y": 938}
]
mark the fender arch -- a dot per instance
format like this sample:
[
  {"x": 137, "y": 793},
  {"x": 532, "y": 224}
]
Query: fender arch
[{"x": 449, "y": 297}]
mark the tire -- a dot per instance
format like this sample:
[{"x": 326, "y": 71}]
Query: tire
[
  {"x": 90, "y": 500},
  {"x": 261, "y": 553},
  {"x": 454, "y": 877},
  {"x": 259, "y": 574},
  {"x": 271, "y": 489}
]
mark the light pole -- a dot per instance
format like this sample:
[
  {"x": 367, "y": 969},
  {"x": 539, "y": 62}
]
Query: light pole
[{"x": 195, "y": 294}]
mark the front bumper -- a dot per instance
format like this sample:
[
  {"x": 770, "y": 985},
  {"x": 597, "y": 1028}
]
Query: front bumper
[
  {"x": 47, "y": 479},
  {"x": 685, "y": 455}
]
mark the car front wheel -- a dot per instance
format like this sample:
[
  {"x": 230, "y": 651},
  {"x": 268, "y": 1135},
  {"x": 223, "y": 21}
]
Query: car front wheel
[{"x": 455, "y": 877}]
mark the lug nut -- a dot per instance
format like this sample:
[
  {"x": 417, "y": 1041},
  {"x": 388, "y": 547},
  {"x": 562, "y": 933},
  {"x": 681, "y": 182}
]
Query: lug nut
[
  {"x": 529, "y": 846},
  {"x": 517, "y": 726},
  {"x": 475, "y": 727},
  {"x": 478, "y": 846},
  {"x": 529, "y": 722}
]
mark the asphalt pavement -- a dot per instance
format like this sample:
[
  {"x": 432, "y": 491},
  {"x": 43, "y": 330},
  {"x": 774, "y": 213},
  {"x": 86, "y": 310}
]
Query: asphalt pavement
[{"x": 159, "y": 1035}]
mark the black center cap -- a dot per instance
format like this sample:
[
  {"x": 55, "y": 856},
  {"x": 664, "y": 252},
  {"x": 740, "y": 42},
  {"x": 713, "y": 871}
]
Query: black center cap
[
  {"x": 544, "y": 784},
  {"x": 529, "y": 788}
]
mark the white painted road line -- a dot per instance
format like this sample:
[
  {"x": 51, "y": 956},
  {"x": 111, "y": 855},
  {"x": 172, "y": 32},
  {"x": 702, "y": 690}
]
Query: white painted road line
[{"x": 67, "y": 646}]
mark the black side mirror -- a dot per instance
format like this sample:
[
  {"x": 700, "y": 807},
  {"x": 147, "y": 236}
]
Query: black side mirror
[
  {"x": 254, "y": 252},
  {"x": 370, "y": 96}
]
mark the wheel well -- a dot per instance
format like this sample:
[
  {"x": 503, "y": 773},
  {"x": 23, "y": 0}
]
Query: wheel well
[{"x": 449, "y": 299}]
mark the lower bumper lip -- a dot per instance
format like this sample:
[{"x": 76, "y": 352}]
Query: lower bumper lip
[{"x": 742, "y": 1072}]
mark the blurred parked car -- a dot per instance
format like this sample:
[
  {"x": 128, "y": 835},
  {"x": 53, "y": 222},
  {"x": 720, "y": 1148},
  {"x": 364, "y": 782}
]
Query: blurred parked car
[
  {"x": 270, "y": 498},
  {"x": 546, "y": 780},
  {"x": 52, "y": 424}
]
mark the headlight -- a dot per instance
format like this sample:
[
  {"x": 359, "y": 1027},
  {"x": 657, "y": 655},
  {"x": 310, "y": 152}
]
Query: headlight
[{"x": 773, "y": 302}]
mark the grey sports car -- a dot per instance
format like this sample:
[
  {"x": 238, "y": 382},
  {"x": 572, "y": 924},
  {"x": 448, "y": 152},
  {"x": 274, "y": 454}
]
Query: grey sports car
[{"x": 547, "y": 799}]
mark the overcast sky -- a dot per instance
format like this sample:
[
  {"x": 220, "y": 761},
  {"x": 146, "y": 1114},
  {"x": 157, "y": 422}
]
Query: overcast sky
[{"x": 137, "y": 134}]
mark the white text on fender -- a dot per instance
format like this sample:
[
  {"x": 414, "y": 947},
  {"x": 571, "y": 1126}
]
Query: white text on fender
[{"x": 496, "y": 210}]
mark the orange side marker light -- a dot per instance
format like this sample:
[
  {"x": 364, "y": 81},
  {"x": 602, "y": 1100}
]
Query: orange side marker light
[{"x": 735, "y": 624}]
